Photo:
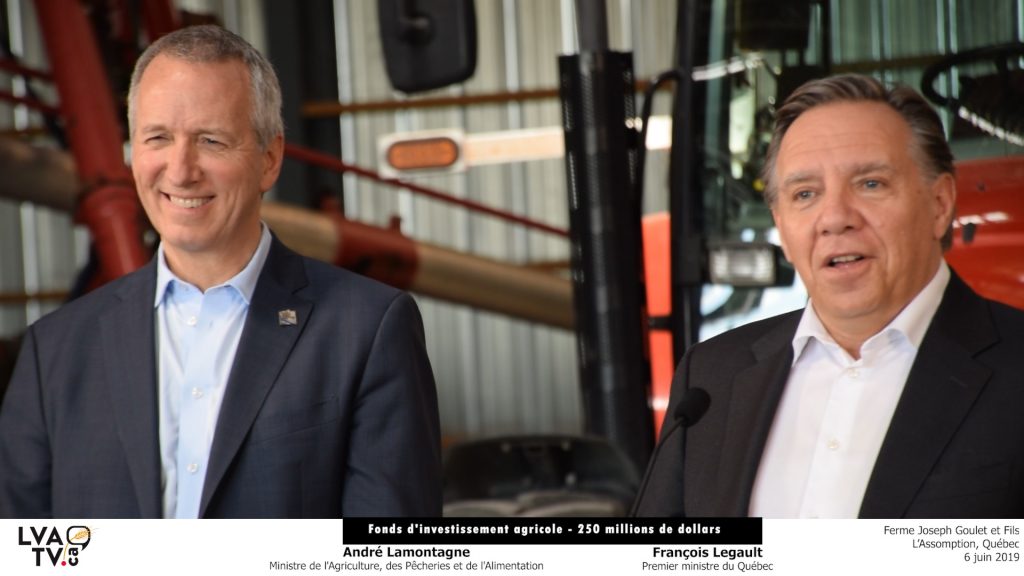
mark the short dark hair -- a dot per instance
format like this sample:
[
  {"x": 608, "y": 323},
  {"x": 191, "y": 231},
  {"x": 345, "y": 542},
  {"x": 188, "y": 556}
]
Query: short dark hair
[
  {"x": 209, "y": 43},
  {"x": 929, "y": 138}
]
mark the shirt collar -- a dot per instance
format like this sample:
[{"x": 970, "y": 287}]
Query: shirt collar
[
  {"x": 912, "y": 322},
  {"x": 244, "y": 282}
]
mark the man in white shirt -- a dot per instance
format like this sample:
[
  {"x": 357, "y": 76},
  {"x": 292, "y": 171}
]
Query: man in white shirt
[{"x": 897, "y": 391}]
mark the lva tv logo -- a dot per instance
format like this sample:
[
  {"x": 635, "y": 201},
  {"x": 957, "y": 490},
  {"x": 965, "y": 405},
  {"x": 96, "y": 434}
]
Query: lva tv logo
[{"x": 50, "y": 543}]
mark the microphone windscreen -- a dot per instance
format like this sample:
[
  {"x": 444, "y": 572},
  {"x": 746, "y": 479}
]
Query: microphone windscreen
[{"x": 693, "y": 406}]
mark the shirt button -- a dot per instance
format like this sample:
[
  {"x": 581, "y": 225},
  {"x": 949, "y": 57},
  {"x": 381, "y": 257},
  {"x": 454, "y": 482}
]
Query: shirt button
[
  {"x": 192, "y": 321},
  {"x": 854, "y": 373},
  {"x": 192, "y": 468},
  {"x": 197, "y": 393},
  {"x": 833, "y": 445}
]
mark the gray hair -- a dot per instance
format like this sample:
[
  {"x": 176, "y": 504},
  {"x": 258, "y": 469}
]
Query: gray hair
[
  {"x": 929, "y": 139},
  {"x": 210, "y": 43}
]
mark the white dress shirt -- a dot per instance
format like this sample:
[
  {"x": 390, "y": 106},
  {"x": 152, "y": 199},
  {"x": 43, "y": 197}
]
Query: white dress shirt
[
  {"x": 835, "y": 412},
  {"x": 197, "y": 337}
]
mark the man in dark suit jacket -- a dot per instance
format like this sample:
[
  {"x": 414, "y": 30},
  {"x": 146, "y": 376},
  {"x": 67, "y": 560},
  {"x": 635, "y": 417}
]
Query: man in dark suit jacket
[
  {"x": 897, "y": 392},
  {"x": 315, "y": 397}
]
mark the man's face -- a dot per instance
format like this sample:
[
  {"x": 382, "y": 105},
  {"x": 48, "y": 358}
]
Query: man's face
[
  {"x": 858, "y": 218},
  {"x": 199, "y": 169}
]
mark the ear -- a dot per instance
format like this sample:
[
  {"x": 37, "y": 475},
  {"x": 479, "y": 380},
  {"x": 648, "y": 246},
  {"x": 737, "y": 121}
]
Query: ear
[
  {"x": 273, "y": 157},
  {"x": 943, "y": 194},
  {"x": 782, "y": 235}
]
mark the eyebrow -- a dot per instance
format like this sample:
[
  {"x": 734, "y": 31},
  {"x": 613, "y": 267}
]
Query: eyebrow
[
  {"x": 150, "y": 128},
  {"x": 861, "y": 169},
  {"x": 868, "y": 167},
  {"x": 800, "y": 178}
]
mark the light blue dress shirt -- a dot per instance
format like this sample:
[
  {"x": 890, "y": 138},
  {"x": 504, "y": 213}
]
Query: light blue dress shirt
[{"x": 197, "y": 337}]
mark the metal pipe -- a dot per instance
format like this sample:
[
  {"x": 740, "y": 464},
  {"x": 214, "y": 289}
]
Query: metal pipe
[
  {"x": 592, "y": 25},
  {"x": 329, "y": 109},
  {"x": 387, "y": 255},
  {"x": 159, "y": 18},
  {"x": 41, "y": 175},
  {"x": 600, "y": 151},
  {"x": 686, "y": 202},
  {"x": 48, "y": 177},
  {"x": 317, "y": 158},
  {"x": 109, "y": 207},
  {"x": 30, "y": 102},
  {"x": 20, "y": 298},
  {"x": 490, "y": 285},
  {"x": 14, "y": 67}
]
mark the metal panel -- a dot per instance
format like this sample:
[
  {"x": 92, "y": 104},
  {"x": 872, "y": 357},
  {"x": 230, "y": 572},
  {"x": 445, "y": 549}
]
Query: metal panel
[{"x": 495, "y": 375}]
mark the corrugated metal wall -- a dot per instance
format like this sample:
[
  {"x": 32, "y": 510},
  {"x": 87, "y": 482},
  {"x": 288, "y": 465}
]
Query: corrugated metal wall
[
  {"x": 890, "y": 30},
  {"x": 495, "y": 375},
  {"x": 871, "y": 30}
]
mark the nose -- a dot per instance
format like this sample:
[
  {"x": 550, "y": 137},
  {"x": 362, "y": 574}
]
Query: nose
[
  {"x": 838, "y": 213},
  {"x": 182, "y": 165}
]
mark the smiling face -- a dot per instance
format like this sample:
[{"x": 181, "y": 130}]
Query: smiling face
[
  {"x": 199, "y": 169},
  {"x": 858, "y": 218}
]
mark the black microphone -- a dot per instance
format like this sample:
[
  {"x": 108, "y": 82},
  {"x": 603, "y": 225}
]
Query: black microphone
[
  {"x": 691, "y": 408},
  {"x": 688, "y": 412}
]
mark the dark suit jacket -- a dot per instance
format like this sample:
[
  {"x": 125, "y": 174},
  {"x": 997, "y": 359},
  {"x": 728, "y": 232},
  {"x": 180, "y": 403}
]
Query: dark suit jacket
[
  {"x": 335, "y": 416},
  {"x": 954, "y": 448}
]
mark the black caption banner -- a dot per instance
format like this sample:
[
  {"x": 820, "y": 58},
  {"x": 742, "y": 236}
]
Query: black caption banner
[{"x": 720, "y": 531}]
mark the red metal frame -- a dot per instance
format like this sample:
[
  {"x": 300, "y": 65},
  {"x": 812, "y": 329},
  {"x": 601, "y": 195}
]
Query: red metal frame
[
  {"x": 380, "y": 253},
  {"x": 109, "y": 207},
  {"x": 990, "y": 195},
  {"x": 14, "y": 67},
  {"x": 30, "y": 102},
  {"x": 658, "y": 284},
  {"x": 159, "y": 17}
]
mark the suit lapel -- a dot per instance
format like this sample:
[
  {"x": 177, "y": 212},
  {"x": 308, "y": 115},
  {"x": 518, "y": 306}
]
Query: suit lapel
[
  {"x": 940, "y": 390},
  {"x": 129, "y": 353},
  {"x": 262, "y": 351},
  {"x": 755, "y": 396}
]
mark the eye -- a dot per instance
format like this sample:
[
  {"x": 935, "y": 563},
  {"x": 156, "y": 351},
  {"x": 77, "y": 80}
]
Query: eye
[
  {"x": 155, "y": 139},
  {"x": 210, "y": 141},
  {"x": 803, "y": 195},
  {"x": 872, "y": 184}
]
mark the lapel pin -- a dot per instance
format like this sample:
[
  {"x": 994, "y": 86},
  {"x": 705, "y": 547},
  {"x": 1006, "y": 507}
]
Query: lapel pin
[{"x": 287, "y": 318}]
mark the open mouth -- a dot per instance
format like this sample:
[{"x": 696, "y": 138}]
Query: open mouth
[
  {"x": 188, "y": 202},
  {"x": 838, "y": 261}
]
